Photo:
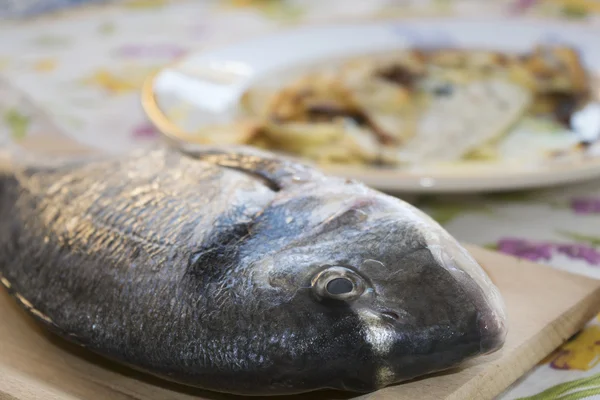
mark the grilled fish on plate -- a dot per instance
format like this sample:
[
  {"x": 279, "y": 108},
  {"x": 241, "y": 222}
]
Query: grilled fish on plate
[{"x": 415, "y": 106}]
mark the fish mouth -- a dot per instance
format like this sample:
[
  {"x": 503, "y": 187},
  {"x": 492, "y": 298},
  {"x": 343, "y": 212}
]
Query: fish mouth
[
  {"x": 492, "y": 332},
  {"x": 435, "y": 356},
  {"x": 491, "y": 312},
  {"x": 402, "y": 352}
]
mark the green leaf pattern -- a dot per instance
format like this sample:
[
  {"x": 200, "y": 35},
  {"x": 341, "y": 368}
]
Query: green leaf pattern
[{"x": 17, "y": 123}]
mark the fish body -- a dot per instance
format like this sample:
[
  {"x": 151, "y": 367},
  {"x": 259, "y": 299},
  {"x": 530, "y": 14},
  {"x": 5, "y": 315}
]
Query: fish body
[{"x": 239, "y": 271}]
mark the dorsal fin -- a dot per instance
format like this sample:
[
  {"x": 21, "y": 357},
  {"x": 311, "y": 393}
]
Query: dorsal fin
[{"x": 277, "y": 171}]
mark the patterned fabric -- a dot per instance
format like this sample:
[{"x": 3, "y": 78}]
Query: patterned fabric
[{"x": 78, "y": 68}]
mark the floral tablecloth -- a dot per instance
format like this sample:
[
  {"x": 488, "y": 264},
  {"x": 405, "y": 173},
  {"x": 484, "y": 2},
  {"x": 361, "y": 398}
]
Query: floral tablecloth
[{"x": 76, "y": 66}]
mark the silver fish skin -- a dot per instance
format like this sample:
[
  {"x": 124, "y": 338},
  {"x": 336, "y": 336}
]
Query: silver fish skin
[{"x": 239, "y": 271}]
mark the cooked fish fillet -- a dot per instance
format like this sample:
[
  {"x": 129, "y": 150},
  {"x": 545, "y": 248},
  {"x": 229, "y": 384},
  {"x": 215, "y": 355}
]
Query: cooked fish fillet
[{"x": 467, "y": 117}]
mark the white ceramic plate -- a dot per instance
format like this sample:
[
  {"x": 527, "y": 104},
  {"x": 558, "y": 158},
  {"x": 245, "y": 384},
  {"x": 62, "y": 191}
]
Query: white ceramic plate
[{"x": 205, "y": 89}]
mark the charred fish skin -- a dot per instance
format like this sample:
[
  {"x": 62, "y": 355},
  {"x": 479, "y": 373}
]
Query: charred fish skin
[{"x": 238, "y": 272}]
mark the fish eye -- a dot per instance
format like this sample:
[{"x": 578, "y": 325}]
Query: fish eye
[
  {"x": 339, "y": 286},
  {"x": 338, "y": 283}
]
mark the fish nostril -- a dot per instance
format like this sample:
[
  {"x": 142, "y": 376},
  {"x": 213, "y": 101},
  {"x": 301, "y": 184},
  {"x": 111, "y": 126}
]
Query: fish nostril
[{"x": 391, "y": 314}]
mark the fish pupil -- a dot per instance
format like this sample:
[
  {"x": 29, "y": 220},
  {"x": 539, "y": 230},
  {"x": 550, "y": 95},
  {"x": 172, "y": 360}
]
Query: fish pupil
[{"x": 339, "y": 286}]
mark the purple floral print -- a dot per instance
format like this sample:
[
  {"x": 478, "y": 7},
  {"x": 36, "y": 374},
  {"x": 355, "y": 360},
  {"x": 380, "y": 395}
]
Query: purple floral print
[
  {"x": 145, "y": 131},
  {"x": 520, "y": 6},
  {"x": 525, "y": 249},
  {"x": 543, "y": 251},
  {"x": 586, "y": 205},
  {"x": 580, "y": 252}
]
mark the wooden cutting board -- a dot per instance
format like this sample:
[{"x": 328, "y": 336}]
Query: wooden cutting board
[{"x": 545, "y": 306}]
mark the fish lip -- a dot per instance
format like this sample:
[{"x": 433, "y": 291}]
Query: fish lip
[{"x": 492, "y": 333}]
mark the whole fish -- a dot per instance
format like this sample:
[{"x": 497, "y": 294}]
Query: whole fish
[{"x": 239, "y": 271}]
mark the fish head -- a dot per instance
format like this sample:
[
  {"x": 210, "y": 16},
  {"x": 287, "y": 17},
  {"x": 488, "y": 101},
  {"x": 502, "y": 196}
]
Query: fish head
[{"x": 396, "y": 294}]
